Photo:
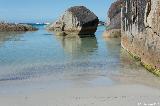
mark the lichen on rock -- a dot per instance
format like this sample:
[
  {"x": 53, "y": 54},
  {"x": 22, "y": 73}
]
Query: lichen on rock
[{"x": 141, "y": 31}]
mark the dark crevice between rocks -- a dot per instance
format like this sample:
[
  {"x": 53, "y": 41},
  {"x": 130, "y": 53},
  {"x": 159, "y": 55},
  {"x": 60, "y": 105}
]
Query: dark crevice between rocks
[{"x": 148, "y": 8}]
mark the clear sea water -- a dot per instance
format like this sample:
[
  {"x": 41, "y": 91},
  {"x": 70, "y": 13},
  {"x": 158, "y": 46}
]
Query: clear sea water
[{"x": 40, "y": 59}]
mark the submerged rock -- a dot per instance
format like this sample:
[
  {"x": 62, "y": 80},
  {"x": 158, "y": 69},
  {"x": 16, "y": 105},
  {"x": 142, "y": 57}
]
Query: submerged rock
[
  {"x": 114, "y": 33},
  {"x": 16, "y": 27},
  {"x": 76, "y": 20}
]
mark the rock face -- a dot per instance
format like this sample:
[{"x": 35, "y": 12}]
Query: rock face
[
  {"x": 16, "y": 27},
  {"x": 141, "y": 32},
  {"x": 114, "y": 14},
  {"x": 76, "y": 20}
]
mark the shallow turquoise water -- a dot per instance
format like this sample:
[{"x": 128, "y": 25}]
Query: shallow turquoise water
[
  {"x": 33, "y": 53},
  {"x": 41, "y": 57}
]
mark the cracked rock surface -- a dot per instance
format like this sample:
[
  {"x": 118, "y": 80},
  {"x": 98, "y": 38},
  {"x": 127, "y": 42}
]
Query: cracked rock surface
[
  {"x": 141, "y": 31},
  {"x": 77, "y": 20},
  {"x": 113, "y": 30}
]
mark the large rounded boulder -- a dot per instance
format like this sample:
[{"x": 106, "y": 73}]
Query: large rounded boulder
[{"x": 77, "y": 20}]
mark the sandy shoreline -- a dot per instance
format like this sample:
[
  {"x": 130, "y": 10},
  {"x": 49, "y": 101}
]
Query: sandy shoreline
[
  {"x": 119, "y": 95},
  {"x": 105, "y": 77}
]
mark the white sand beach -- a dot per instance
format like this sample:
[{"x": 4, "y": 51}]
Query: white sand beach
[{"x": 119, "y": 95}]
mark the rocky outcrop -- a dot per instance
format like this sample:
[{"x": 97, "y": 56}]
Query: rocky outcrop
[
  {"x": 16, "y": 27},
  {"x": 76, "y": 20},
  {"x": 114, "y": 28},
  {"x": 114, "y": 15},
  {"x": 141, "y": 32}
]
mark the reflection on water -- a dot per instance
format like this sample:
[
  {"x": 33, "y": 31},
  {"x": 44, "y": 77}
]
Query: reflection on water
[
  {"x": 44, "y": 58},
  {"x": 131, "y": 71},
  {"x": 77, "y": 47},
  {"x": 113, "y": 47},
  {"x": 8, "y": 36}
]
